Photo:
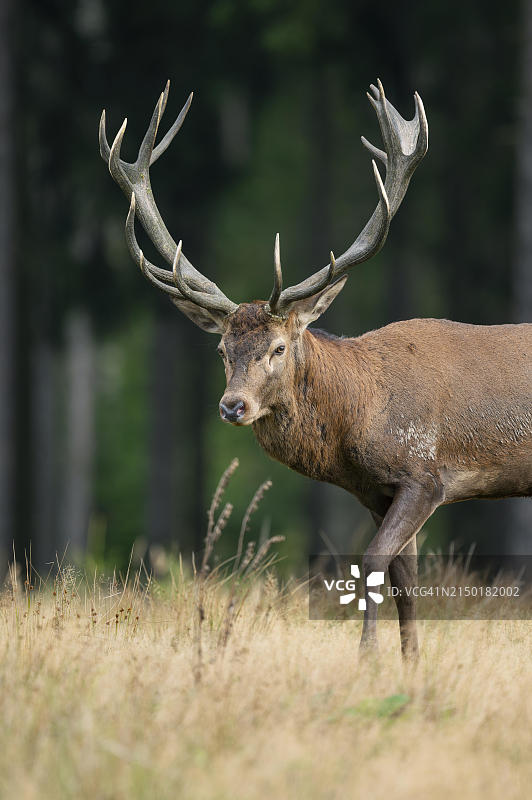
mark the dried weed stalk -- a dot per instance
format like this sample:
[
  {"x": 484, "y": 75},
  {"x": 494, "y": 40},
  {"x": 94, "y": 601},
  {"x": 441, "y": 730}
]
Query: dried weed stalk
[
  {"x": 247, "y": 565},
  {"x": 214, "y": 531}
]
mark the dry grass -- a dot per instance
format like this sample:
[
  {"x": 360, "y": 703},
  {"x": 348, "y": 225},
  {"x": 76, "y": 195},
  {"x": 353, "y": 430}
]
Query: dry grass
[
  {"x": 216, "y": 685},
  {"x": 96, "y": 705}
]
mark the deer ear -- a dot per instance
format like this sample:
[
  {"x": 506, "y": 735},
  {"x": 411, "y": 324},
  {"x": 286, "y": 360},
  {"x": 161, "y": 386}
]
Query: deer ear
[
  {"x": 311, "y": 308},
  {"x": 210, "y": 321}
]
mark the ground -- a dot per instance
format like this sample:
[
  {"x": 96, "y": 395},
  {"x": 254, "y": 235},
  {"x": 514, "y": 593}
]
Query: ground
[{"x": 105, "y": 695}]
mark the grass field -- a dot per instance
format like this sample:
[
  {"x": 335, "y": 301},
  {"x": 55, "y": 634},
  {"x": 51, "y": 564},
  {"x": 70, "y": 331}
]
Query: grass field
[{"x": 105, "y": 695}]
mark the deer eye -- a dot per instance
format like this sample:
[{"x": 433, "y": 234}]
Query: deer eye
[
  {"x": 220, "y": 351},
  {"x": 279, "y": 350}
]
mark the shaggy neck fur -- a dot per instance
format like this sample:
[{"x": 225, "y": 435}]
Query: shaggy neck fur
[{"x": 325, "y": 402}]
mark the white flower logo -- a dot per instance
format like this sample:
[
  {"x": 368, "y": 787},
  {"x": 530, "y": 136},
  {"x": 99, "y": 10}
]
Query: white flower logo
[{"x": 373, "y": 579}]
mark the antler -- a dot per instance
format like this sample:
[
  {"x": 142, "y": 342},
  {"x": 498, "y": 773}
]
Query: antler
[
  {"x": 405, "y": 142},
  {"x": 183, "y": 283}
]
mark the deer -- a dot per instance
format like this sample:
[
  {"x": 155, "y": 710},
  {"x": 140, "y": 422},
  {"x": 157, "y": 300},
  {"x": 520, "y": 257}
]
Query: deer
[{"x": 409, "y": 417}]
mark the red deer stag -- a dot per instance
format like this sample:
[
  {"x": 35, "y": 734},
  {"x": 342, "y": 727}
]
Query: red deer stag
[{"x": 406, "y": 418}]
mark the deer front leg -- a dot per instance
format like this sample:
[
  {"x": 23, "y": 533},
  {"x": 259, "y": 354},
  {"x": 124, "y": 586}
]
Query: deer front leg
[
  {"x": 411, "y": 506},
  {"x": 403, "y": 575}
]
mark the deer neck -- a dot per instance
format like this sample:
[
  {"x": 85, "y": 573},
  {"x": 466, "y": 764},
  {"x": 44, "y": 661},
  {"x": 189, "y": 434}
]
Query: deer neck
[{"x": 307, "y": 428}]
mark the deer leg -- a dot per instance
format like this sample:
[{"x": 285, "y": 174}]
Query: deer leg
[
  {"x": 403, "y": 575},
  {"x": 411, "y": 506}
]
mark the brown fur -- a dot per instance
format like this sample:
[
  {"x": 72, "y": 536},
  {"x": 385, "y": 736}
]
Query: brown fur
[
  {"x": 414, "y": 415},
  {"x": 416, "y": 397}
]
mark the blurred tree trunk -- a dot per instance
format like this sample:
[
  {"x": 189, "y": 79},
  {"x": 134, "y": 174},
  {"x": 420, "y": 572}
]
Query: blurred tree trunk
[
  {"x": 43, "y": 449},
  {"x": 198, "y": 445},
  {"x": 175, "y": 508},
  {"x": 520, "y": 532},
  {"x": 161, "y": 498},
  {"x": 7, "y": 284},
  {"x": 79, "y": 444}
]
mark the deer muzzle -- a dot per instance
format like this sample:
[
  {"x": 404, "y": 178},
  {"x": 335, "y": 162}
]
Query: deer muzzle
[{"x": 232, "y": 409}]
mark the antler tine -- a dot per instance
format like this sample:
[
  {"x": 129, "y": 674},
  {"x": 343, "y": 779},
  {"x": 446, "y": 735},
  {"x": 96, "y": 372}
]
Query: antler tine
[
  {"x": 115, "y": 162},
  {"x": 148, "y": 269},
  {"x": 380, "y": 154},
  {"x": 405, "y": 144},
  {"x": 145, "y": 268},
  {"x": 372, "y": 238},
  {"x": 277, "y": 277},
  {"x": 105, "y": 150},
  {"x": 327, "y": 278},
  {"x": 208, "y": 301},
  {"x": 134, "y": 180},
  {"x": 148, "y": 142},
  {"x": 153, "y": 273},
  {"x": 167, "y": 138},
  {"x": 148, "y": 153},
  {"x": 134, "y": 248},
  {"x": 421, "y": 119}
]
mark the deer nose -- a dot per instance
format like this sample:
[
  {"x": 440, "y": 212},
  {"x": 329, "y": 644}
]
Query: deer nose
[{"x": 232, "y": 410}]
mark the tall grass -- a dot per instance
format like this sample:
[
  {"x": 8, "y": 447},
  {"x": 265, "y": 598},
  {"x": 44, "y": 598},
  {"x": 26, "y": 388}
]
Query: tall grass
[{"x": 105, "y": 694}]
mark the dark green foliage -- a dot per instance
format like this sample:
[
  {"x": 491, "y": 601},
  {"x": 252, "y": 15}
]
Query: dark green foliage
[{"x": 271, "y": 144}]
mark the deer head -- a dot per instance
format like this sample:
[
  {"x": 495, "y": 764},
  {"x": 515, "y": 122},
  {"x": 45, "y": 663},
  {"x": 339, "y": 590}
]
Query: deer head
[{"x": 261, "y": 342}]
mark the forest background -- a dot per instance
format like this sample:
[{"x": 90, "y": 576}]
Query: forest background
[{"x": 109, "y": 429}]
